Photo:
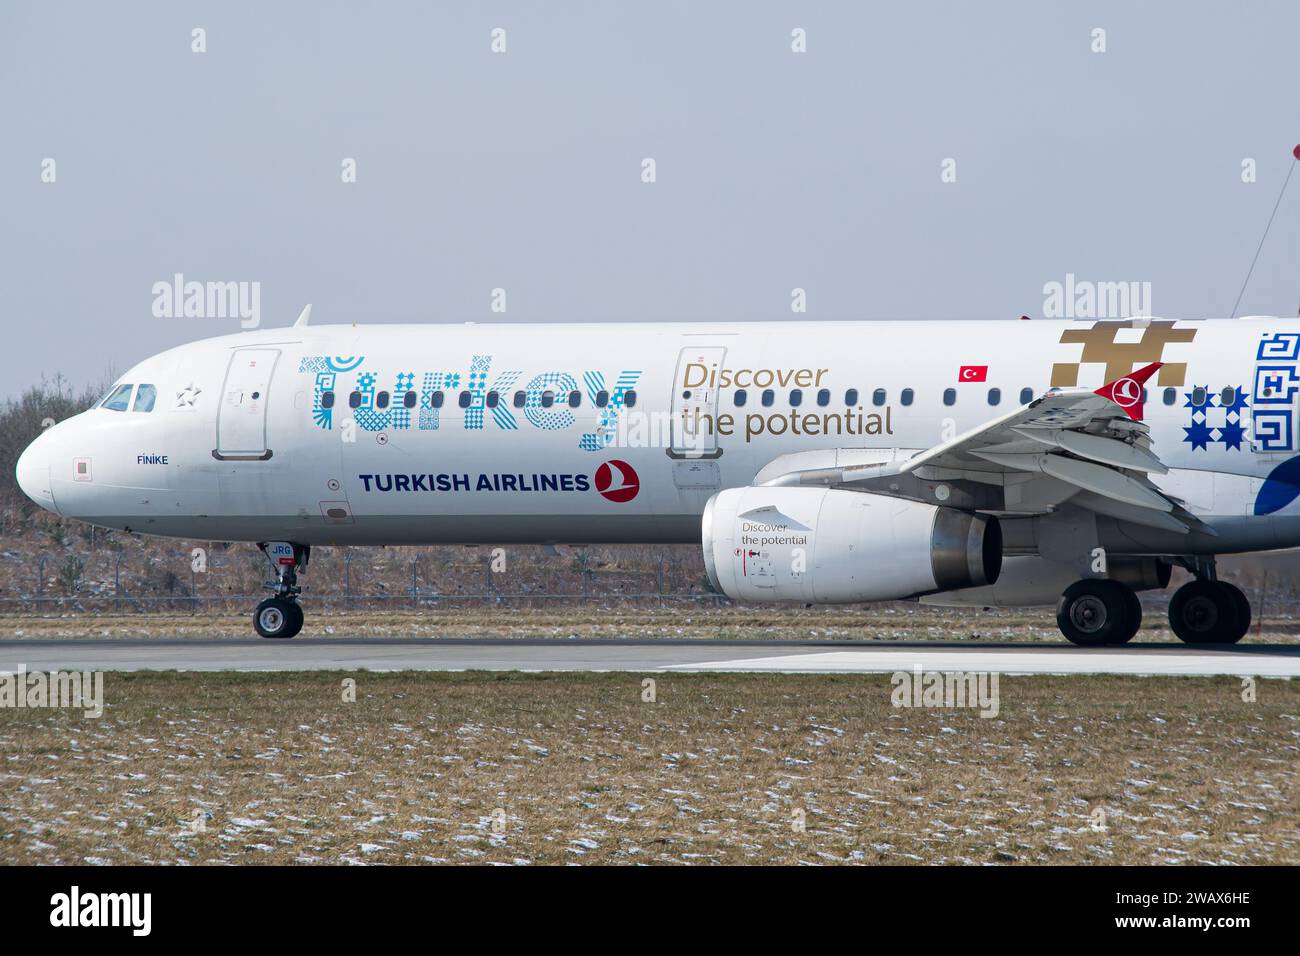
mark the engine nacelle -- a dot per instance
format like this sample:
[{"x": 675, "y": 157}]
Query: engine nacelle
[{"x": 828, "y": 546}]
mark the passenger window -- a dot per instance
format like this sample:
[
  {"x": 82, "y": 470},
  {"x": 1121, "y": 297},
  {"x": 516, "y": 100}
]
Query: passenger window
[
  {"x": 493, "y": 398},
  {"x": 1198, "y": 396},
  {"x": 119, "y": 400},
  {"x": 905, "y": 396},
  {"x": 796, "y": 398},
  {"x": 1171, "y": 396},
  {"x": 463, "y": 400},
  {"x": 629, "y": 398},
  {"x": 851, "y": 397},
  {"x": 354, "y": 400},
  {"x": 145, "y": 396},
  {"x": 878, "y": 397},
  {"x": 995, "y": 396},
  {"x": 548, "y": 398},
  {"x": 409, "y": 399},
  {"x": 575, "y": 398},
  {"x": 949, "y": 396},
  {"x": 438, "y": 399},
  {"x": 1026, "y": 396},
  {"x": 519, "y": 399},
  {"x": 769, "y": 397},
  {"x": 602, "y": 398},
  {"x": 381, "y": 400},
  {"x": 739, "y": 397},
  {"x": 1227, "y": 397},
  {"x": 823, "y": 397},
  {"x": 327, "y": 400}
]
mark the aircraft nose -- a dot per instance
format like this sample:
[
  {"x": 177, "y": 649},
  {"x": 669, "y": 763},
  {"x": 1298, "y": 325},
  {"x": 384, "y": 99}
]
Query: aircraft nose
[{"x": 33, "y": 474}]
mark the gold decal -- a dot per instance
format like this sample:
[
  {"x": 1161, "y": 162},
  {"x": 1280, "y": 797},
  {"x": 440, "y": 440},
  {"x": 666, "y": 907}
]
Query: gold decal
[{"x": 1099, "y": 346}]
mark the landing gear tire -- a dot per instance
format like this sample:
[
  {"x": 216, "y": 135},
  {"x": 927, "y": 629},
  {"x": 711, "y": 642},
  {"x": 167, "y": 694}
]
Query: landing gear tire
[
  {"x": 1134, "y": 621},
  {"x": 278, "y": 618},
  {"x": 1095, "y": 613},
  {"x": 1209, "y": 612},
  {"x": 1243, "y": 613},
  {"x": 295, "y": 609}
]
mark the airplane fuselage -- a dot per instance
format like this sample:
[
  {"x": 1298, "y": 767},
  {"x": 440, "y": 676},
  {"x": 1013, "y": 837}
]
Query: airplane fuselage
[{"x": 597, "y": 433}]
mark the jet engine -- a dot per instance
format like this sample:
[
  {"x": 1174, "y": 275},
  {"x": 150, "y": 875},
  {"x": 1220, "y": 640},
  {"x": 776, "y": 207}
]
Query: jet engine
[{"x": 826, "y": 546}]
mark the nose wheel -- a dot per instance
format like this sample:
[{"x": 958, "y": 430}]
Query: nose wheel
[
  {"x": 281, "y": 616},
  {"x": 278, "y": 618}
]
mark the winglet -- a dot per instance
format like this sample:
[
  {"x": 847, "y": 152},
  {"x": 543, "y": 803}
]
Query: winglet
[
  {"x": 304, "y": 318},
  {"x": 1126, "y": 392}
]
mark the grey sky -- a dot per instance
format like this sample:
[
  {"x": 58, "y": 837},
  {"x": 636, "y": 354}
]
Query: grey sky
[{"x": 523, "y": 171}]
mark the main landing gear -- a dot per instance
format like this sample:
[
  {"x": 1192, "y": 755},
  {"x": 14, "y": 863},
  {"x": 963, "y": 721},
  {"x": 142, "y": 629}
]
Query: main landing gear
[
  {"x": 281, "y": 616},
  {"x": 1209, "y": 612},
  {"x": 1098, "y": 612}
]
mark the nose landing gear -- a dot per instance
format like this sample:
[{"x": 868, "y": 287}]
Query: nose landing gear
[{"x": 281, "y": 616}]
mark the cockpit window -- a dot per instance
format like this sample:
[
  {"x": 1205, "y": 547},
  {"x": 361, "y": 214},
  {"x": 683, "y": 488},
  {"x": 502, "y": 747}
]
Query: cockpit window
[
  {"x": 119, "y": 400},
  {"x": 145, "y": 396}
]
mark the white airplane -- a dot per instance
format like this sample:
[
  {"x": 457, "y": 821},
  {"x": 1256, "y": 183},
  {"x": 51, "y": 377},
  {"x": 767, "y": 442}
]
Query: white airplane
[{"x": 962, "y": 463}]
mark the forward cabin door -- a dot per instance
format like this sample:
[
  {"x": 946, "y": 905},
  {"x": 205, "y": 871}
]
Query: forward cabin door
[{"x": 241, "y": 417}]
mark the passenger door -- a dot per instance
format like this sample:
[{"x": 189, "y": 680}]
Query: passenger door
[
  {"x": 241, "y": 417},
  {"x": 695, "y": 402}
]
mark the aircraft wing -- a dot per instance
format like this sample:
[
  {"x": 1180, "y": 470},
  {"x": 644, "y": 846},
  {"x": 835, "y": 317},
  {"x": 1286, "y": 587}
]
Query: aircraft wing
[{"x": 1092, "y": 444}]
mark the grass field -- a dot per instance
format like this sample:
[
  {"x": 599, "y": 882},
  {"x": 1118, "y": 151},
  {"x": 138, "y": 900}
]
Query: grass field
[
  {"x": 882, "y": 622},
  {"x": 263, "y": 768}
]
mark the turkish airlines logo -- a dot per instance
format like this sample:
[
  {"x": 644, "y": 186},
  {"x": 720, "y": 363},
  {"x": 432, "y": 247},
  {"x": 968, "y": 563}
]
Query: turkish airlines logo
[
  {"x": 1126, "y": 393},
  {"x": 617, "y": 481},
  {"x": 973, "y": 373}
]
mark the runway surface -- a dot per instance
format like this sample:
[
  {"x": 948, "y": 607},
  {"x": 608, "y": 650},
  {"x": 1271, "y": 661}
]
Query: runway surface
[{"x": 431, "y": 654}]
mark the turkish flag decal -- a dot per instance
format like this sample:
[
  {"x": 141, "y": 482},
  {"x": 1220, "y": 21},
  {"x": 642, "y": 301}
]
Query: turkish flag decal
[{"x": 972, "y": 373}]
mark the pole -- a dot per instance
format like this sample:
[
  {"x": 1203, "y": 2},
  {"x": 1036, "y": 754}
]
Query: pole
[{"x": 1263, "y": 590}]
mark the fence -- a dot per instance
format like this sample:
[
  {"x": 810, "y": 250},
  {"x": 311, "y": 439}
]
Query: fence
[
  {"x": 338, "y": 578},
  {"x": 46, "y": 568}
]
